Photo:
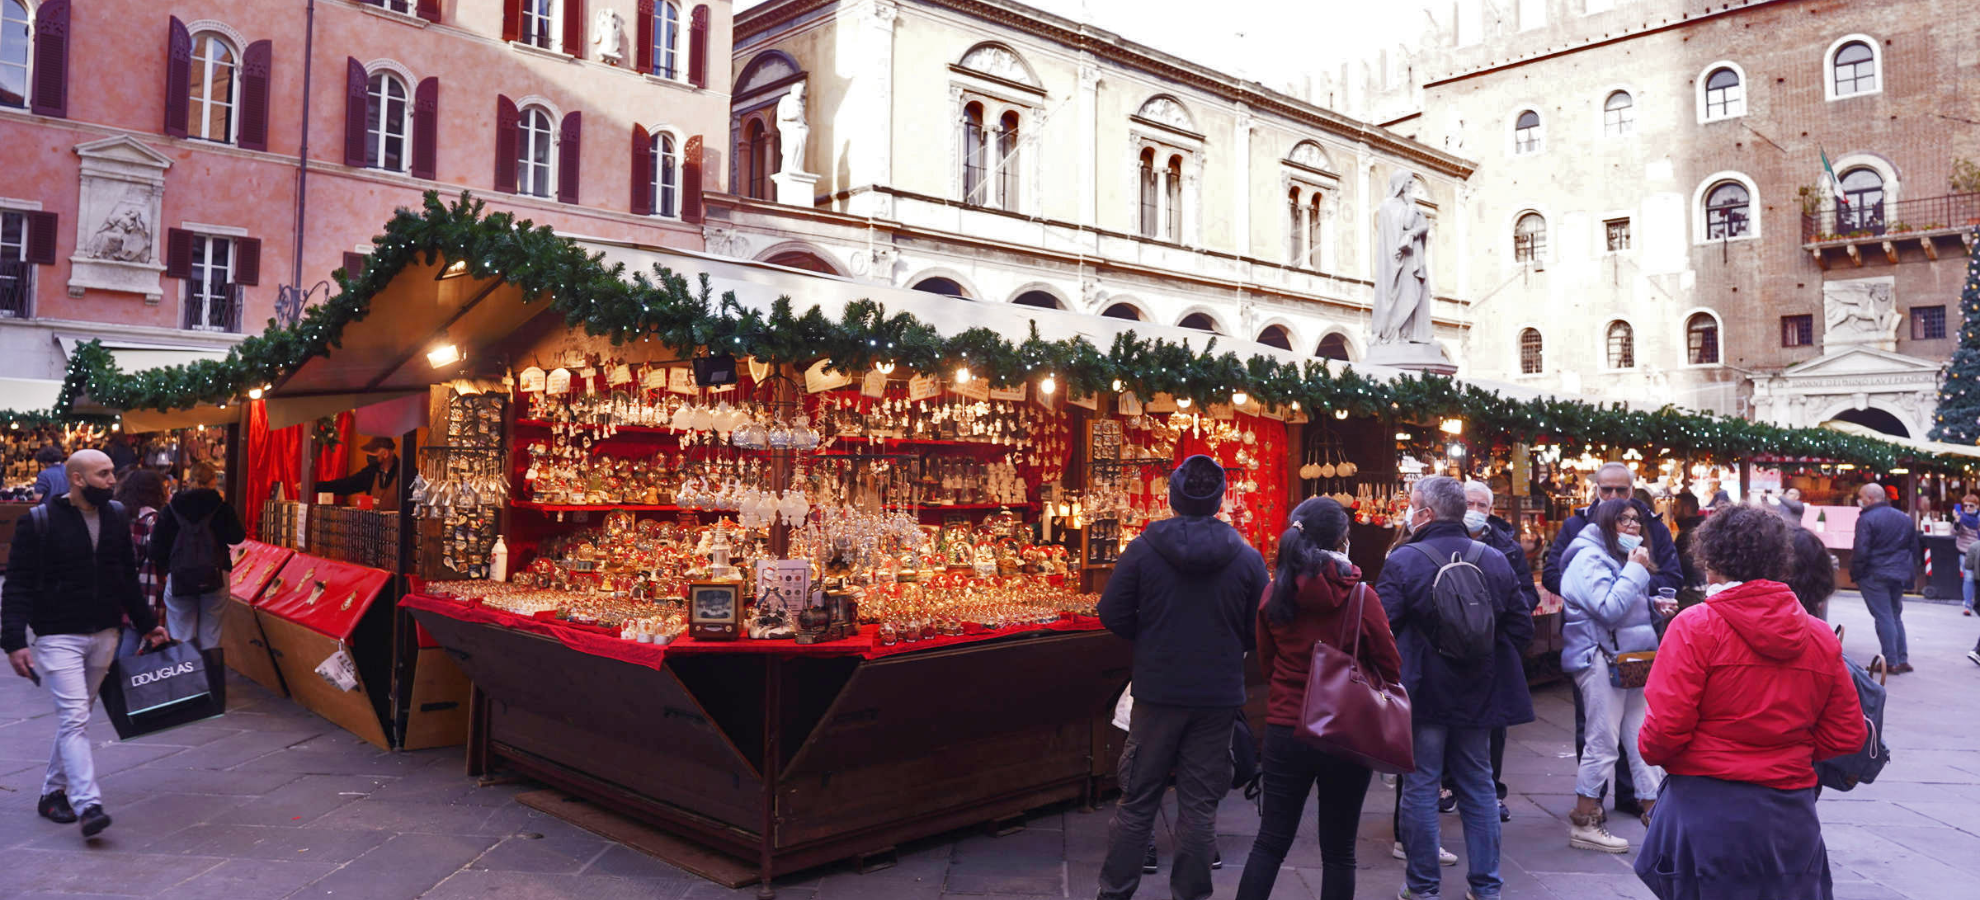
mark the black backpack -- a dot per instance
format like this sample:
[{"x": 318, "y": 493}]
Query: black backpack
[
  {"x": 1466, "y": 616},
  {"x": 195, "y": 562}
]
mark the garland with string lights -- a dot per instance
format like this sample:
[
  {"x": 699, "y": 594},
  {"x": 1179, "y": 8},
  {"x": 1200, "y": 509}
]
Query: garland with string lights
[
  {"x": 1958, "y": 418},
  {"x": 607, "y": 300}
]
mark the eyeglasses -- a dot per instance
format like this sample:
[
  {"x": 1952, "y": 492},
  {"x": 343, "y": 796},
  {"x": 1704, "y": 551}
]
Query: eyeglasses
[
  {"x": 1608, "y": 491},
  {"x": 1628, "y": 520}
]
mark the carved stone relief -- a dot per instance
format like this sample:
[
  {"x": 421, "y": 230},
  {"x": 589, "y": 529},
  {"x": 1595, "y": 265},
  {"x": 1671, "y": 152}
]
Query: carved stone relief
[
  {"x": 117, "y": 218},
  {"x": 998, "y": 62},
  {"x": 1860, "y": 311}
]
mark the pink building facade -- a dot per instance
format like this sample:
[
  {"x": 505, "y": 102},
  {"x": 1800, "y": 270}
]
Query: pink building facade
[{"x": 153, "y": 185}]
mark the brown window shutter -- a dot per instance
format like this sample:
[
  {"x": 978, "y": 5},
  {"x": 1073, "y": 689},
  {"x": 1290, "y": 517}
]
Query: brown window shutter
[
  {"x": 178, "y": 78},
  {"x": 642, "y": 172},
  {"x": 50, "y": 91},
  {"x": 568, "y": 156},
  {"x": 698, "y": 47},
  {"x": 41, "y": 237},
  {"x": 247, "y": 260},
  {"x": 178, "y": 253},
  {"x": 355, "y": 85},
  {"x": 574, "y": 28},
  {"x": 430, "y": 10},
  {"x": 255, "y": 63},
  {"x": 353, "y": 265},
  {"x": 506, "y": 118},
  {"x": 643, "y": 38},
  {"x": 426, "y": 128},
  {"x": 691, "y": 180},
  {"x": 511, "y": 19}
]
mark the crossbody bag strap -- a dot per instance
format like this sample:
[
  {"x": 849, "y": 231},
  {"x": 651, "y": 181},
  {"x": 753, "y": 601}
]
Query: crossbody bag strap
[{"x": 1359, "y": 598}]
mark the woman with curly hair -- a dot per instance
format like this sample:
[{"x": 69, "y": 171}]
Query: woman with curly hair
[{"x": 1748, "y": 692}]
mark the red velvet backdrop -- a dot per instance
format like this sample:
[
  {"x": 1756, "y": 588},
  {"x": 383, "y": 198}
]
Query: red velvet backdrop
[
  {"x": 1268, "y": 502},
  {"x": 275, "y": 457}
]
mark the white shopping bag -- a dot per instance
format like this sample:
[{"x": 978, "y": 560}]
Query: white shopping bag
[{"x": 1124, "y": 710}]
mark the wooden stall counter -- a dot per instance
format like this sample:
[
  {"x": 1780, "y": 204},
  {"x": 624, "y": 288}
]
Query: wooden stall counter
[{"x": 255, "y": 567}]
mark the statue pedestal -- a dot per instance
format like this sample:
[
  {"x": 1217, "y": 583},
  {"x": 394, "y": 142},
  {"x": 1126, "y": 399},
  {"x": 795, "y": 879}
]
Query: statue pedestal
[
  {"x": 1428, "y": 358},
  {"x": 796, "y": 188}
]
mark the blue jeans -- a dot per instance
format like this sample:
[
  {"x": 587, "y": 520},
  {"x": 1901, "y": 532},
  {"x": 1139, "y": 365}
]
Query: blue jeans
[
  {"x": 1467, "y": 752},
  {"x": 1966, "y": 588},
  {"x": 195, "y": 617},
  {"x": 1885, "y": 597}
]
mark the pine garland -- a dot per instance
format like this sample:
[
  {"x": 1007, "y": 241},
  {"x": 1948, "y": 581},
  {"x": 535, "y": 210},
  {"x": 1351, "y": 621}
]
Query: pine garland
[{"x": 663, "y": 305}]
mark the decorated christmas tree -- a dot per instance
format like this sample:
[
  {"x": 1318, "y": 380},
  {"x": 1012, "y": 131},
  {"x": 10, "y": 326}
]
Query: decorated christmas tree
[{"x": 1959, "y": 398}]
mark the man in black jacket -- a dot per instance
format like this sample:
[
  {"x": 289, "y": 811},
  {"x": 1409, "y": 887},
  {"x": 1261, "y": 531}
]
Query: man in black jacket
[
  {"x": 1882, "y": 562},
  {"x": 1186, "y": 593},
  {"x": 197, "y": 588},
  {"x": 1616, "y": 481},
  {"x": 1512, "y": 695},
  {"x": 72, "y": 576},
  {"x": 379, "y": 478}
]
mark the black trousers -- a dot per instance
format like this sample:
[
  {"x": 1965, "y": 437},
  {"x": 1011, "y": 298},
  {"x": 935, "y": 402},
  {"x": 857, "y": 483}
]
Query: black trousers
[
  {"x": 1624, "y": 782},
  {"x": 1195, "y": 745},
  {"x": 1293, "y": 770}
]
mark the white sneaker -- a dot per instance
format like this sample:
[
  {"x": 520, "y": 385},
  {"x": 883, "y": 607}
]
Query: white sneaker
[
  {"x": 1974, "y": 655},
  {"x": 1444, "y": 857},
  {"x": 1592, "y": 836}
]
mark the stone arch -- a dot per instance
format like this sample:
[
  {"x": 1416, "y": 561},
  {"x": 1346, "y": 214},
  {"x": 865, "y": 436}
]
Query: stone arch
[
  {"x": 1874, "y": 412},
  {"x": 1124, "y": 308},
  {"x": 998, "y": 60},
  {"x": 801, "y": 255},
  {"x": 1165, "y": 109},
  {"x": 1037, "y": 294},
  {"x": 1337, "y": 340},
  {"x": 969, "y": 291},
  {"x": 765, "y": 71},
  {"x": 1199, "y": 314}
]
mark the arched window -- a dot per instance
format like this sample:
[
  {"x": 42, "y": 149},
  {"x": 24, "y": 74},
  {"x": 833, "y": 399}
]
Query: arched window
[
  {"x": 799, "y": 259},
  {"x": 1312, "y": 260},
  {"x": 1294, "y": 228},
  {"x": 1040, "y": 299},
  {"x": 1530, "y": 238},
  {"x": 1276, "y": 336},
  {"x": 1727, "y": 208},
  {"x": 760, "y": 158},
  {"x": 1621, "y": 345},
  {"x": 1619, "y": 114},
  {"x": 537, "y": 151},
  {"x": 16, "y": 47},
  {"x": 666, "y": 169},
  {"x": 667, "y": 40},
  {"x": 1531, "y": 361},
  {"x": 1526, "y": 133},
  {"x": 1122, "y": 311},
  {"x": 387, "y": 121},
  {"x": 212, "y": 88},
  {"x": 944, "y": 286},
  {"x": 1724, "y": 97},
  {"x": 1006, "y": 165},
  {"x": 1173, "y": 212},
  {"x": 1856, "y": 69},
  {"x": 1200, "y": 322},
  {"x": 1333, "y": 346},
  {"x": 1150, "y": 206},
  {"x": 1863, "y": 200},
  {"x": 974, "y": 150},
  {"x": 1701, "y": 340}
]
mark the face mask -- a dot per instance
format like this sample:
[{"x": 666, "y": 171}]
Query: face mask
[
  {"x": 1409, "y": 521},
  {"x": 1474, "y": 521},
  {"x": 96, "y": 496},
  {"x": 1629, "y": 542}
]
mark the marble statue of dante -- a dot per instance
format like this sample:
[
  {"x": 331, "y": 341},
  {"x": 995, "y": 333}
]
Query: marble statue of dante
[
  {"x": 792, "y": 132},
  {"x": 1402, "y": 268}
]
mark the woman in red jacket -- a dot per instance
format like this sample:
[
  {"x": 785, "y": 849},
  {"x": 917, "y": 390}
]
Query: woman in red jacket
[
  {"x": 1747, "y": 692},
  {"x": 1311, "y": 598}
]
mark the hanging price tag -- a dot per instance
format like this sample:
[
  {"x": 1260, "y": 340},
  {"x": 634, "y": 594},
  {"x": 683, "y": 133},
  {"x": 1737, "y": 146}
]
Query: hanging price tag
[
  {"x": 680, "y": 380},
  {"x": 532, "y": 380},
  {"x": 1129, "y": 404},
  {"x": 1161, "y": 403},
  {"x": 974, "y": 389},
  {"x": 1298, "y": 417},
  {"x": 922, "y": 387},
  {"x": 1016, "y": 394},
  {"x": 654, "y": 378},
  {"x": 874, "y": 384},
  {"x": 1222, "y": 412},
  {"x": 1085, "y": 401},
  {"x": 621, "y": 374},
  {"x": 1049, "y": 401},
  {"x": 559, "y": 382},
  {"x": 819, "y": 378}
]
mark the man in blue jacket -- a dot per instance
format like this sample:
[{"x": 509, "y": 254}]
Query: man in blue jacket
[
  {"x": 1513, "y": 697},
  {"x": 1454, "y": 706},
  {"x": 1186, "y": 593},
  {"x": 1882, "y": 562},
  {"x": 1615, "y": 480}
]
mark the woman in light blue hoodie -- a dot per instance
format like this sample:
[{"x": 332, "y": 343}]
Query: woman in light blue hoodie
[{"x": 1605, "y": 580}]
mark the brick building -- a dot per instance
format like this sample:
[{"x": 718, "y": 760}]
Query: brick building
[
  {"x": 1651, "y": 215},
  {"x": 155, "y": 191}
]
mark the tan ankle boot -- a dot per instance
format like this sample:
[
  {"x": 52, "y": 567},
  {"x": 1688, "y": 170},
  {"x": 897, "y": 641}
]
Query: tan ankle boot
[{"x": 1585, "y": 832}]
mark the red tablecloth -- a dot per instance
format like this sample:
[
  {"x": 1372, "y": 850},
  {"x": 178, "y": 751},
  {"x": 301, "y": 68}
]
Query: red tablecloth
[{"x": 599, "y": 642}]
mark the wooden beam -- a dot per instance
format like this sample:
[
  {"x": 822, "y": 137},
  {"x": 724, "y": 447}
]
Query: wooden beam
[
  {"x": 1890, "y": 252},
  {"x": 1931, "y": 249},
  {"x": 1820, "y": 260},
  {"x": 1855, "y": 254}
]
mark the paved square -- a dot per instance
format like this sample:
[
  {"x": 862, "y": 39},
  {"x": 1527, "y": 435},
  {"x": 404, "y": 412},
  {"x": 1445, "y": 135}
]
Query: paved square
[{"x": 271, "y": 801}]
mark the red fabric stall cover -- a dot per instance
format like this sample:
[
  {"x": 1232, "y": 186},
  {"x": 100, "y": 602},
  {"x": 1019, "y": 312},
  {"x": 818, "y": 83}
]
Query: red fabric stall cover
[
  {"x": 273, "y": 457},
  {"x": 333, "y": 609},
  {"x": 332, "y": 462},
  {"x": 255, "y": 565},
  {"x": 1268, "y": 503},
  {"x": 603, "y": 642}
]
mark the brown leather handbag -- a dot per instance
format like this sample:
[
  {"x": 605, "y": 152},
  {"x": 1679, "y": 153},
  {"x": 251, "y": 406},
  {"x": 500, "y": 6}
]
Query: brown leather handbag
[{"x": 1350, "y": 712}]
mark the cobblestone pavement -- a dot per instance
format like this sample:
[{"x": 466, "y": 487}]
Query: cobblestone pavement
[{"x": 271, "y": 801}]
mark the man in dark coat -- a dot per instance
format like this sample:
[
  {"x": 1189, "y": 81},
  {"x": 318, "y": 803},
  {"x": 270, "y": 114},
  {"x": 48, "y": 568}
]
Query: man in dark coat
[
  {"x": 1186, "y": 593},
  {"x": 1882, "y": 562},
  {"x": 379, "y": 477},
  {"x": 1454, "y": 707},
  {"x": 1513, "y": 696},
  {"x": 1615, "y": 481}
]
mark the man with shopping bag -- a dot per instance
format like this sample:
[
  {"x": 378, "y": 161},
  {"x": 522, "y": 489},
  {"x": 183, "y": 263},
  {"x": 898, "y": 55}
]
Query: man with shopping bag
[{"x": 72, "y": 577}]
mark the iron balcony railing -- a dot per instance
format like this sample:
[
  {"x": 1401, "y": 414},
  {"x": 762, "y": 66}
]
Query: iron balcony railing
[
  {"x": 1950, "y": 213},
  {"x": 221, "y": 312},
  {"x": 16, "y": 289}
]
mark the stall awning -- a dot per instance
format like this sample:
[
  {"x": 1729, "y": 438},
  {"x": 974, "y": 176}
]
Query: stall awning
[
  {"x": 137, "y": 356},
  {"x": 142, "y": 421},
  {"x": 29, "y": 393}
]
